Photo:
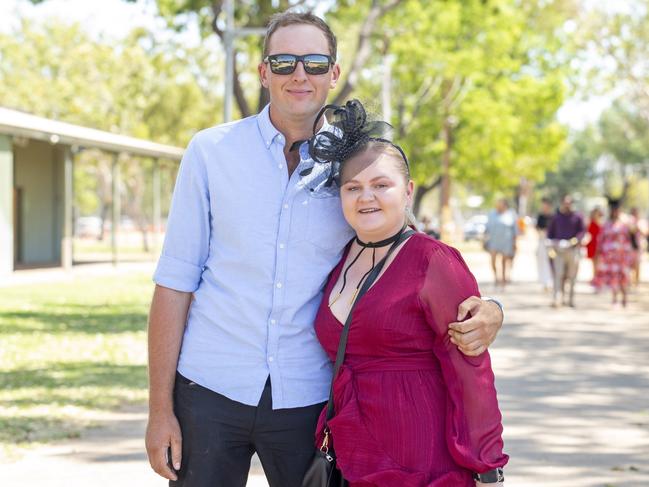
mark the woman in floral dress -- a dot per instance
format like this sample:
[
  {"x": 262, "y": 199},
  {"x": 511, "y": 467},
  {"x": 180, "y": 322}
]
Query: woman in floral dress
[{"x": 614, "y": 254}]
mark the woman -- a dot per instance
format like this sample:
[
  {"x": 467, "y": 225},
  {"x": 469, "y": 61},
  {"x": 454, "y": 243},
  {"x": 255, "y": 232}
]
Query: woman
[
  {"x": 594, "y": 227},
  {"x": 544, "y": 271},
  {"x": 500, "y": 240},
  {"x": 410, "y": 409},
  {"x": 614, "y": 254}
]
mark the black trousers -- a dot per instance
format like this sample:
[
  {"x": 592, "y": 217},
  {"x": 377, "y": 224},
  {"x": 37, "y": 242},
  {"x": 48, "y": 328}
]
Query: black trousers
[{"x": 220, "y": 436}]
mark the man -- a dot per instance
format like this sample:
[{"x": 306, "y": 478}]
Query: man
[
  {"x": 249, "y": 245},
  {"x": 565, "y": 232}
]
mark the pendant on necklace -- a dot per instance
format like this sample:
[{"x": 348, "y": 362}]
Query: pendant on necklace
[
  {"x": 351, "y": 301},
  {"x": 335, "y": 299}
]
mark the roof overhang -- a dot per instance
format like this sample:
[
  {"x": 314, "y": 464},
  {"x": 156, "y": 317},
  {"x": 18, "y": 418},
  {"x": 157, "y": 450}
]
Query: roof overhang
[{"x": 21, "y": 124}]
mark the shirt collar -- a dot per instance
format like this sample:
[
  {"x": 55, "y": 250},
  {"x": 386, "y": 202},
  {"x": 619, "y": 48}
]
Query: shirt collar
[{"x": 266, "y": 128}]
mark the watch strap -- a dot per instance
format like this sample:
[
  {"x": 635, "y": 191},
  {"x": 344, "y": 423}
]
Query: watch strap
[{"x": 490, "y": 477}]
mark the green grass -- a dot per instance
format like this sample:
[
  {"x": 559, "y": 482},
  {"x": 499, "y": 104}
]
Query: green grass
[
  {"x": 68, "y": 351},
  {"x": 92, "y": 250}
]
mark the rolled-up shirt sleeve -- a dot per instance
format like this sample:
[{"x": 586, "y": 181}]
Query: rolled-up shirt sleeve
[{"x": 187, "y": 237}]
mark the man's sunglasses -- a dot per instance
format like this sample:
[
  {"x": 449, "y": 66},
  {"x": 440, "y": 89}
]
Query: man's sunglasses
[{"x": 286, "y": 63}]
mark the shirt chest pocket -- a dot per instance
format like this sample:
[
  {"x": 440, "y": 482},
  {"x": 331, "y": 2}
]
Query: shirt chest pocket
[{"x": 326, "y": 227}]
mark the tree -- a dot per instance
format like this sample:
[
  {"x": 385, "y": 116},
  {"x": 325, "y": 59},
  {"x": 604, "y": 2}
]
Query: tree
[
  {"x": 477, "y": 86},
  {"x": 612, "y": 52},
  {"x": 623, "y": 131},
  {"x": 609, "y": 156},
  {"x": 249, "y": 95},
  {"x": 620, "y": 43},
  {"x": 476, "y": 83},
  {"x": 134, "y": 86},
  {"x": 577, "y": 169}
]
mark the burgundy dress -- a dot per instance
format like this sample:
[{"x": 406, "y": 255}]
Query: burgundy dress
[{"x": 411, "y": 410}]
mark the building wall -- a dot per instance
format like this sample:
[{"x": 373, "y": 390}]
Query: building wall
[
  {"x": 37, "y": 176},
  {"x": 6, "y": 205}
]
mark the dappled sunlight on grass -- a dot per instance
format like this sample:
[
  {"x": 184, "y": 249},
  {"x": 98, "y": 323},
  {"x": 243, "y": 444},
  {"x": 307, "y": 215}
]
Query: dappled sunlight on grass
[{"x": 70, "y": 350}]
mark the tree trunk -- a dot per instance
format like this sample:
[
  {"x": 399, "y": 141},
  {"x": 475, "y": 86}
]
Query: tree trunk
[
  {"x": 522, "y": 196},
  {"x": 264, "y": 98},
  {"x": 142, "y": 225},
  {"x": 103, "y": 212},
  {"x": 363, "y": 47},
  {"x": 626, "y": 185},
  {"x": 239, "y": 95},
  {"x": 445, "y": 216},
  {"x": 420, "y": 192}
]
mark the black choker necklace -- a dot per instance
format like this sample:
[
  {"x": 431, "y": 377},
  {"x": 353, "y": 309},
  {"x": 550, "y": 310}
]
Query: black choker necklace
[
  {"x": 381, "y": 243},
  {"x": 369, "y": 245}
]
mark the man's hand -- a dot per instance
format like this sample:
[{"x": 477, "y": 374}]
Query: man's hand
[
  {"x": 163, "y": 432},
  {"x": 474, "y": 335},
  {"x": 167, "y": 320}
]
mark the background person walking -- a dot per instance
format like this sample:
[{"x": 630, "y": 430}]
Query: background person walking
[
  {"x": 615, "y": 254},
  {"x": 544, "y": 269},
  {"x": 500, "y": 240},
  {"x": 565, "y": 233}
]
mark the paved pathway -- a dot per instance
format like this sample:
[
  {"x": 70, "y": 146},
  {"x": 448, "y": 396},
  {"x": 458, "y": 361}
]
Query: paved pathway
[{"x": 573, "y": 387}]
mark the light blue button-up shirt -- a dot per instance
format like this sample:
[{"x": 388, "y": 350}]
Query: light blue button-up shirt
[{"x": 255, "y": 247}]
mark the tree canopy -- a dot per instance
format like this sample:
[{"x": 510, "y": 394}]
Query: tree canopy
[
  {"x": 474, "y": 86},
  {"x": 478, "y": 82}
]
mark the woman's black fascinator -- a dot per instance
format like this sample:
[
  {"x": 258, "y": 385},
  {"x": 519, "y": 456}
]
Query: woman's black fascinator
[{"x": 352, "y": 131}]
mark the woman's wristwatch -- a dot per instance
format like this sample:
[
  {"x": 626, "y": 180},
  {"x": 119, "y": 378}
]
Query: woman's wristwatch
[{"x": 490, "y": 477}]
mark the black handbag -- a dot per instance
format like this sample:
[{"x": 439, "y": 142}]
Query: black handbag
[{"x": 323, "y": 472}]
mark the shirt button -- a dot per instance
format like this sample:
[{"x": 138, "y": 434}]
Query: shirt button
[
  {"x": 281, "y": 246},
  {"x": 270, "y": 359},
  {"x": 280, "y": 166},
  {"x": 279, "y": 284},
  {"x": 286, "y": 207},
  {"x": 272, "y": 322}
]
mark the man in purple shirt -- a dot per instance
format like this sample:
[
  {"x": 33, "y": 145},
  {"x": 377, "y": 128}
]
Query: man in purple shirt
[{"x": 565, "y": 233}]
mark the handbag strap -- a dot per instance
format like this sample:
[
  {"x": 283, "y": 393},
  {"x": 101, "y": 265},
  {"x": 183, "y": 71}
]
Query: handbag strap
[{"x": 342, "y": 345}]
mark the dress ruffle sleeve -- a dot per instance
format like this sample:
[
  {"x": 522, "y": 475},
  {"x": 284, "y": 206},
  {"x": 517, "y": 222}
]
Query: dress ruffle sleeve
[{"x": 474, "y": 423}]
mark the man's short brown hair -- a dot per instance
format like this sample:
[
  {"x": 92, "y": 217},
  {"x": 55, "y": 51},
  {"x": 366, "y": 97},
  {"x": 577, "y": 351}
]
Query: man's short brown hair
[{"x": 284, "y": 19}]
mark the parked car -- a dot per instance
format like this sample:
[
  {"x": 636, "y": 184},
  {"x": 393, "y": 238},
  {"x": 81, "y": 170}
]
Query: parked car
[
  {"x": 87, "y": 226},
  {"x": 474, "y": 227}
]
